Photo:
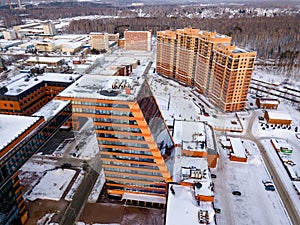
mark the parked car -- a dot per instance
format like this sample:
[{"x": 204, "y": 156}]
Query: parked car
[
  {"x": 261, "y": 118},
  {"x": 237, "y": 193},
  {"x": 269, "y": 186}
]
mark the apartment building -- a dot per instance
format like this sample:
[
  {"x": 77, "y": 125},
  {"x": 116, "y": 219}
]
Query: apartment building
[
  {"x": 49, "y": 28},
  {"x": 204, "y": 60},
  {"x": 137, "y": 40},
  {"x": 99, "y": 41},
  {"x": 27, "y": 94},
  {"x": 133, "y": 139},
  {"x": 230, "y": 76}
]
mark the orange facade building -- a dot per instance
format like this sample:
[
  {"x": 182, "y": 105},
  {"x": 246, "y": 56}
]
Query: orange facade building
[
  {"x": 206, "y": 61},
  {"x": 137, "y": 40},
  {"x": 133, "y": 139},
  {"x": 27, "y": 94}
]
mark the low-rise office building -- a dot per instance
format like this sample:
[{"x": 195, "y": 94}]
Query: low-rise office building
[
  {"x": 27, "y": 94},
  {"x": 21, "y": 137}
]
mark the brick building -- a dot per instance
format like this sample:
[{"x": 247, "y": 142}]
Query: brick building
[{"x": 208, "y": 62}]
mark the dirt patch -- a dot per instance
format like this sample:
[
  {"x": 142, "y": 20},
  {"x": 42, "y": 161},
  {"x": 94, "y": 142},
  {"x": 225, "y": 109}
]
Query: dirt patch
[
  {"x": 39, "y": 208},
  {"x": 102, "y": 213}
]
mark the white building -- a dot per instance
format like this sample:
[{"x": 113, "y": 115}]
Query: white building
[
  {"x": 49, "y": 28},
  {"x": 9, "y": 35}
]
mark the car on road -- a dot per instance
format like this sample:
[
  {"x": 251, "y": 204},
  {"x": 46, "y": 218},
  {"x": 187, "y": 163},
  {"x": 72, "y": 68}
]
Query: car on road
[
  {"x": 238, "y": 193},
  {"x": 261, "y": 118}
]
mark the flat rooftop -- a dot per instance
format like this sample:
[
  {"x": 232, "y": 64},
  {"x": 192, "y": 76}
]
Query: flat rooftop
[
  {"x": 51, "y": 109},
  {"x": 12, "y": 126},
  {"x": 182, "y": 207},
  {"x": 238, "y": 148},
  {"x": 22, "y": 83},
  {"x": 279, "y": 115},
  {"x": 45, "y": 59},
  {"x": 102, "y": 87},
  {"x": 189, "y": 131}
]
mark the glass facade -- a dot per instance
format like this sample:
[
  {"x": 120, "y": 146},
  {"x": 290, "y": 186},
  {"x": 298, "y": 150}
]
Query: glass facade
[{"x": 10, "y": 193}]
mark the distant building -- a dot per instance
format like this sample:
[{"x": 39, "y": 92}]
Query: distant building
[
  {"x": 208, "y": 62},
  {"x": 99, "y": 41},
  {"x": 49, "y": 28},
  {"x": 9, "y": 35},
  {"x": 267, "y": 103},
  {"x": 49, "y": 61},
  {"x": 137, "y": 40},
  {"x": 45, "y": 46}
]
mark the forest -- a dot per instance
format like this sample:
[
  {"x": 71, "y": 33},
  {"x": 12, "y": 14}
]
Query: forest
[{"x": 273, "y": 34}]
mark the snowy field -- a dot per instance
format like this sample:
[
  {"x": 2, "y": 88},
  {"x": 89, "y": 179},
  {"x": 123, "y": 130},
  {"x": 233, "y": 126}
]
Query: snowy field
[{"x": 255, "y": 205}]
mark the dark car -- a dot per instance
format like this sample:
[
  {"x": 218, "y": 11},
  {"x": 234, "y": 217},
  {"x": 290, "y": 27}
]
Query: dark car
[
  {"x": 213, "y": 175},
  {"x": 269, "y": 186},
  {"x": 261, "y": 118},
  {"x": 237, "y": 193}
]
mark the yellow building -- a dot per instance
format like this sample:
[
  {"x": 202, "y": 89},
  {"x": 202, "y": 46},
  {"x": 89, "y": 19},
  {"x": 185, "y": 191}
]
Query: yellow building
[{"x": 99, "y": 41}]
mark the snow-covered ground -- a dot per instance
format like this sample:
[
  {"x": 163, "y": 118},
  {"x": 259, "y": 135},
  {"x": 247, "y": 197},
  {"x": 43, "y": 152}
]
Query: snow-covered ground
[{"x": 255, "y": 205}]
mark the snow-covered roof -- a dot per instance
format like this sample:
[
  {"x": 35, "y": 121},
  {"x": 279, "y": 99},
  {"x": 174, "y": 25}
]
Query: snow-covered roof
[
  {"x": 189, "y": 131},
  {"x": 268, "y": 101},
  {"x": 45, "y": 59},
  {"x": 12, "y": 126},
  {"x": 101, "y": 87},
  {"x": 182, "y": 207},
  {"x": 51, "y": 109},
  {"x": 279, "y": 115},
  {"x": 24, "y": 83},
  {"x": 280, "y": 143},
  {"x": 238, "y": 149},
  {"x": 145, "y": 198}
]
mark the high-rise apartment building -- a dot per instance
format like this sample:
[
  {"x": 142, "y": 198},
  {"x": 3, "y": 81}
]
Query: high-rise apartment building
[
  {"x": 49, "y": 28},
  {"x": 133, "y": 139},
  {"x": 207, "y": 61},
  {"x": 99, "y": 41},
  {"x": 231, "y": 74},
  {"x": 137, "y": 40}
]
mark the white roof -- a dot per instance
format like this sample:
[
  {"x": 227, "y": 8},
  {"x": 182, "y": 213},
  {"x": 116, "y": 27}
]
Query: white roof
[
  {"x": 269, "y": 101},
  {"x": 11, "y": 126},
  {"x": 45, "y": 59},
  {"x": 145, "y": 198},
  {"x": 51, "y": 109},
  {"x": 182, "y": 207},
  {"x": 90, "y": 86},
  {"x": 186, "y": 130},
  {"x": 279, "y": 115},
  {"x": 19, "y": 85},
  {"x": 237, "y": 148}
]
